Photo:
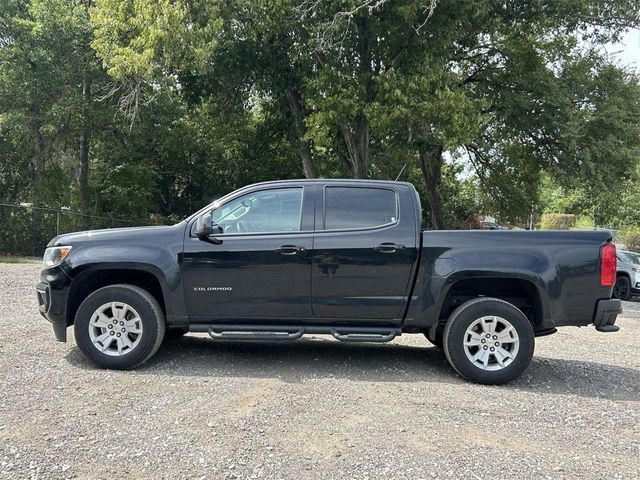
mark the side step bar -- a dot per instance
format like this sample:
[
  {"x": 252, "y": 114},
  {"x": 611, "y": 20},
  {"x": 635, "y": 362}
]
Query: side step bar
[
  {"x": 365, "y": 337},
  {"x": 253, "y": 335},
  {"x": 294, "y": 332}
]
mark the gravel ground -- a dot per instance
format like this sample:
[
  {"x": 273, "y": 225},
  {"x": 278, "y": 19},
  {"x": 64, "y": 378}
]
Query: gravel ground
[{"x": 311, "y": 409}]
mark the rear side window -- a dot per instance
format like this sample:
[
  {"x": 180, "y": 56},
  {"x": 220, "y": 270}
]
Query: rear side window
[{"x": 357, "y": 207}]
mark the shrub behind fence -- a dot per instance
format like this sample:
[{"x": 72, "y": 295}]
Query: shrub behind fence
[
  {"x": 557, "y": 221},
  {"x": 17, "y": 234}
]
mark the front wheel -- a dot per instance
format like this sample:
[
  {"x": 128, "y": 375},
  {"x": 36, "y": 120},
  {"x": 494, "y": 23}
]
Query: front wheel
[
  {"x": 489, "y": 341},
  {"x": 119, "y": 326}
]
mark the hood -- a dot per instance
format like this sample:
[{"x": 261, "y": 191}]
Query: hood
[{"x": 111, "y": 234}]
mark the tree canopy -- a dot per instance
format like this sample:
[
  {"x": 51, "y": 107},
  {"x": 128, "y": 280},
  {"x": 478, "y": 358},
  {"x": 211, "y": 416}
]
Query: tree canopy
[{"x": 147, "y": 109}]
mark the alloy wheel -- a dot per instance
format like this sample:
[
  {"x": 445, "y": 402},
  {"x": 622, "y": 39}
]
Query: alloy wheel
[
  {"x": 491, "y": 343},
  {"x": 115, "y": 328}
]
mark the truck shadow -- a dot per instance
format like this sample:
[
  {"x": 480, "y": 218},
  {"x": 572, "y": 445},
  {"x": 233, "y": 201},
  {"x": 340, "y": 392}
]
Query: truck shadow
[{"x": 319, "y": 358}]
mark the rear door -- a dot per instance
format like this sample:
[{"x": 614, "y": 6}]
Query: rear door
[{"x": 365, "y": 248}]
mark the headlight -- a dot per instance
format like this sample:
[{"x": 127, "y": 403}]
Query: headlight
[{"x": 55, "y": 255}]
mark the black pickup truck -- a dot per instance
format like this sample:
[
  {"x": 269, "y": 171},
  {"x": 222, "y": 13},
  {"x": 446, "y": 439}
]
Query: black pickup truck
[{"x": 348, "y": 258}]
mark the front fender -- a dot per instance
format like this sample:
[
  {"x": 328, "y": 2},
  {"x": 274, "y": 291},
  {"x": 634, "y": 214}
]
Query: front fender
[{"x": 158, "y": 261}]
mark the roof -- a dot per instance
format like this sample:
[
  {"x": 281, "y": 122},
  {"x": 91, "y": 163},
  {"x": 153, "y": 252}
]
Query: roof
[
  {"x": 332, "y": 180},
  {"x": 343, "y": 181}
]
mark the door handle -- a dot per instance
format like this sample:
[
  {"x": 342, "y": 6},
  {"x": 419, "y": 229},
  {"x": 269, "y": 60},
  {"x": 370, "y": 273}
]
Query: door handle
[
  {"x": 290, "y": 249},
  {"x": 388, "y": 247}
]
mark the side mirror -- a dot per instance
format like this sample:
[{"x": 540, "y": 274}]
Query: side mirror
[
  {"x": 203, "y": 226},
  {"x": 204, "y": 230}
]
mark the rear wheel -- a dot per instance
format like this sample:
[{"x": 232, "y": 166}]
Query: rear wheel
[
  {"x": 622, "y": 288},
  {"x": 119, "y": 326},
  {"x": 488, "y": 340}
]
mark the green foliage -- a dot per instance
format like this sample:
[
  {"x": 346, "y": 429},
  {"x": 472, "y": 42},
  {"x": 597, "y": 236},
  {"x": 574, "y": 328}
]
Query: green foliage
[
  {"x": 584, "y": 222},
  {"x": 177, "y": 102},
  {"x": 137, "y": 38},
  {"x": 558, "y": 221},
  {"x": 630, "y": 237},
  {"x": 554, "y": 198},
  {"x": 21, "y": 260},
  {"x": 460, "y": 198}
]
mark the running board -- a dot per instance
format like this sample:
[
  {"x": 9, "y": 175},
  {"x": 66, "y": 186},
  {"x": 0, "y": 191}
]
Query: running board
[
  {"x": 253, "y": 335},
  {"x": 365, "y": 337},
  {"x": 294, "y": 332}
]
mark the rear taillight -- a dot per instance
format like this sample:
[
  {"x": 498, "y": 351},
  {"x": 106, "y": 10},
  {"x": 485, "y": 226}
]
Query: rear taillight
[{"x": 608, "y": 265}]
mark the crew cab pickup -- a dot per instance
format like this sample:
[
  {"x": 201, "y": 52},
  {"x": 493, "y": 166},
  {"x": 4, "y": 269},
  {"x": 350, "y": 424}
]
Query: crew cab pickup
[{"x": 347, "y": 258}]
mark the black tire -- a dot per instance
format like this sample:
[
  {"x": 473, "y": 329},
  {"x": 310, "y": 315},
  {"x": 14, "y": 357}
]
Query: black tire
[
  {"x": 622, "y": 288},
  {"x": 455, "y": 332},
  {"x": 437, "y": 341},
  {"x": 151, "y": 317}
]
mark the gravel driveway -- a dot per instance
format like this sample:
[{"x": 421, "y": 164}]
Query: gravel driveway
[{"x": 312, "y": 409}]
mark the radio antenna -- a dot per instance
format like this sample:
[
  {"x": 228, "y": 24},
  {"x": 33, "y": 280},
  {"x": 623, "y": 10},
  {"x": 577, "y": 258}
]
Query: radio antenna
[{"x": 401, "y": 170}]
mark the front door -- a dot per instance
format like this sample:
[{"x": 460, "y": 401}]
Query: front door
[{"x": 262, "y": 268}]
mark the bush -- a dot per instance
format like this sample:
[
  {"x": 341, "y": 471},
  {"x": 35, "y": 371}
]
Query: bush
[
  {"x": 631, "y": 239},
  {"x": 583, "y": 222},
  {"x": 558, "y": 221}
]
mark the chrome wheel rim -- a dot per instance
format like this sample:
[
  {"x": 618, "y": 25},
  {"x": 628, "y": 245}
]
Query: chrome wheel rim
[
  {"x": 491, "y": 343},
  {"x": 115, "y": 329}
]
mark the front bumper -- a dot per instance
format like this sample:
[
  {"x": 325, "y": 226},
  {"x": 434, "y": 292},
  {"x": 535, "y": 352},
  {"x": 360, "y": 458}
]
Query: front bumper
[
  {"x": 606, "y": 314},
  {"x": 52, "y": 293}
]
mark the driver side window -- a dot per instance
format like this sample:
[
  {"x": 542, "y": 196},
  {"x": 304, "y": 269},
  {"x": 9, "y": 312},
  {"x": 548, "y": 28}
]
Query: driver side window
[{"x": 275, "y": 210}]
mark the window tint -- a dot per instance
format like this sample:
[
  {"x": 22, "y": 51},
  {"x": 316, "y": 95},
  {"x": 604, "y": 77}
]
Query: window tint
[
  {"x": 355, "y": 207},
  {"x": 275, "y": 210}
]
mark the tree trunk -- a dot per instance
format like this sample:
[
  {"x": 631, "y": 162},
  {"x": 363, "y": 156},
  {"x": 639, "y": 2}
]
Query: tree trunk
[
  {"x": 431, "y": 166},
  {"x": 304, "y": 147},
  {"x": 357, "y": 138},
  {"x": 357, "y": 146},
  {"x": 83, "y": 181},
  {"x": 38, "y": 180}
]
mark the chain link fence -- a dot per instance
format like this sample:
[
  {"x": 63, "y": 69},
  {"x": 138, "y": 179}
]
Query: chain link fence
[{"x": 19, "y": 236}]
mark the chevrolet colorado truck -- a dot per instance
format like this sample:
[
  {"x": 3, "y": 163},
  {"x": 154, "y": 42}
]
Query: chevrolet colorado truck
[{"x": 347, "y": 258}]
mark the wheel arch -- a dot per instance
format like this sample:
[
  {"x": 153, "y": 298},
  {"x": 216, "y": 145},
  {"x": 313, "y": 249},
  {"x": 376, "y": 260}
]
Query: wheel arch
[
  {"x": 92, "y": 279},
  {"x": 521, "y": 292}
]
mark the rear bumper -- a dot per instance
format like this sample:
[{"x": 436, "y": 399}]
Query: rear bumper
[
  {"x": 52, "y": 292},
  {"x": 606, "y": 315}
]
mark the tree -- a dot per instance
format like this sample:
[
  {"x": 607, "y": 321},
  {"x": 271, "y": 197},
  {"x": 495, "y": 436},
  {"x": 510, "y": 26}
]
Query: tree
[
  {"x": 37, "y": 44},
  {"x": 147, "y": 109},
  {"x": 379, "y": 82},
  {"x": 488, "y": 79}
]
